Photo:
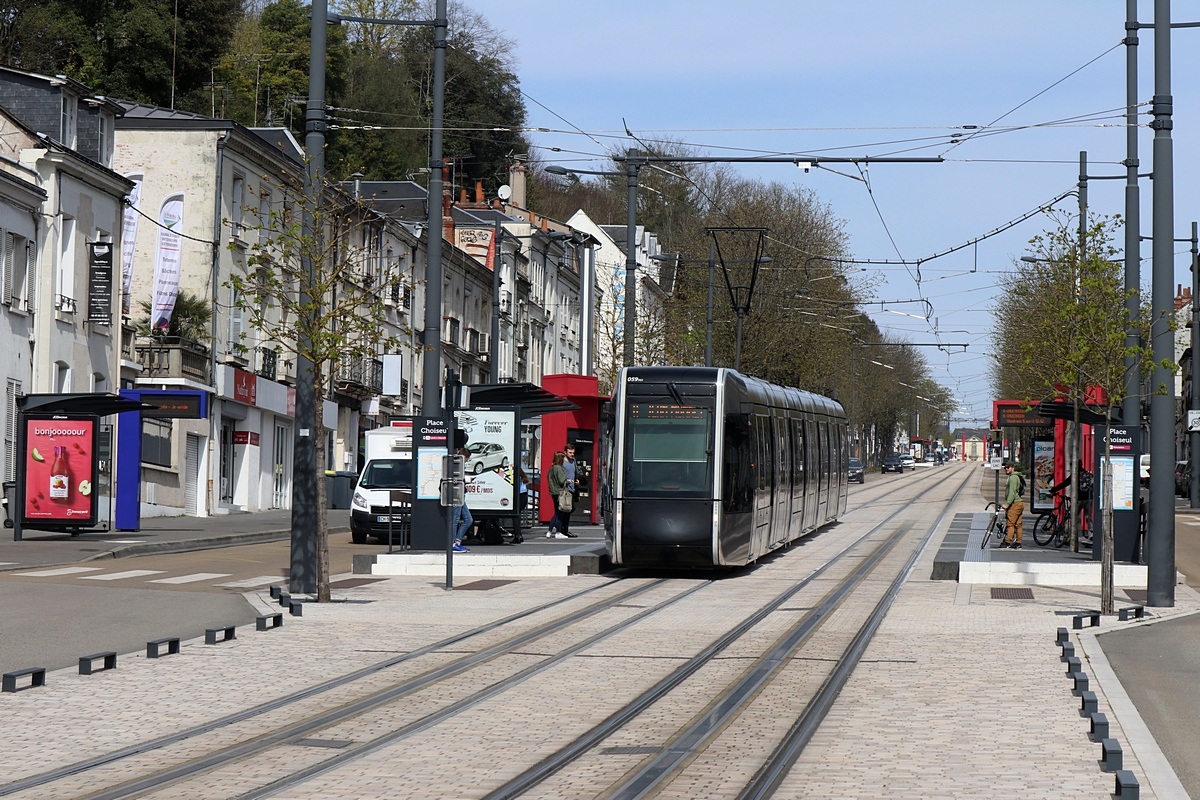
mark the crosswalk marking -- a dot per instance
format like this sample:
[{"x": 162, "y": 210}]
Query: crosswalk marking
[
  {"x": 117, "y": 576},
  {"x": 250, "y": 583},
  {"x": 1189, "y": 521},
  {"x": 195, "y": 576},
  {"x": 51, "y": 573}
]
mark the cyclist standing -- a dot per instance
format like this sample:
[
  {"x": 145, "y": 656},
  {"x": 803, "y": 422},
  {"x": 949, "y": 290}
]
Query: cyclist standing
[{"x": 1014, "y": 506}]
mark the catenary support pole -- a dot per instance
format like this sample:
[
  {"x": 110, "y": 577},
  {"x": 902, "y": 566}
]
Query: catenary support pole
[
  {"x": 302, "y": 575},
  {"x": 1131, "y": 408},
  {"x": 431, "y": 373},
  {"x": 631, "y": 178},
  {"x": 1160, "y": 532}
]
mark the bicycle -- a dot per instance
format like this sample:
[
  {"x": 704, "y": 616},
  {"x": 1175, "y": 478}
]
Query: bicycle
[
  {"x": 1052, "y": 527},
  {"x": 996, "y": 525}
]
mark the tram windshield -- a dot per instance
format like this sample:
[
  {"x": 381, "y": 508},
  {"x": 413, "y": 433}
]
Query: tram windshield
[{"x": 668, "y": 449}]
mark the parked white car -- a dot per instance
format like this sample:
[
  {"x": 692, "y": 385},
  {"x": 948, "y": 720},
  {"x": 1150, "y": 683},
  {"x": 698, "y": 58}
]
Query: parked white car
[{"x": 485, "y": 455}]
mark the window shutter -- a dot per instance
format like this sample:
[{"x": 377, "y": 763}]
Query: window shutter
[
  {"x": 30, "y": 276},
  {"x": 7, "y": 278}
]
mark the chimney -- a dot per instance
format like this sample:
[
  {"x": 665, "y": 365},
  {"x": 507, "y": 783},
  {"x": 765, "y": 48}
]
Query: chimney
[
  {"x": 516, "y": 182},
  {"x": 479, "y": 192},
  {"x": 447, "y": 218}
]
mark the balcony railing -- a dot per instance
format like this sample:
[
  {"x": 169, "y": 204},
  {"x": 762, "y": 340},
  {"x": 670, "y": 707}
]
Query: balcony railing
[
  {"x": 128, "y": 342},
  {"x": 362, "y": 376},
  {"x": 173, "y": 357}
]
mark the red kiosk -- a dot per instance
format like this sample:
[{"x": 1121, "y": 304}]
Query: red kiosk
[{"x": 581, "y": 428}]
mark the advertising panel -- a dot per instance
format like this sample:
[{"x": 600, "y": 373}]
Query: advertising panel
[
  {"x": 1043, "y": 475},
  {"x": 491, "y": 463},
  {"x": 59, "y": 459}
]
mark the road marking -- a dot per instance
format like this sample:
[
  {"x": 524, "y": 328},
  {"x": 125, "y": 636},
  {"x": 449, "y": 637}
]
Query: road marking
[
  {"x": 249, "y": 583},
  {"x": 51, "y": 573},
  {"x": 124, "y": 541},
  {"x": 195, "y": 576},
  {"x": 117, "y": 576},
  {"x": 1190, "y": 521}
]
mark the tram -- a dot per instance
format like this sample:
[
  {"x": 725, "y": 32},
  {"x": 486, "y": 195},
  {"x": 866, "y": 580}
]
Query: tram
[{"x": 706, "y": 467}]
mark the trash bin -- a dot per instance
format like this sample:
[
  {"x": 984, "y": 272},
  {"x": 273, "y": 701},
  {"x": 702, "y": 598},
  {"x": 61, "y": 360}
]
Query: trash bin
[
  {"x": 10, "y": 502},
  {"x": 339, "y": 489}
]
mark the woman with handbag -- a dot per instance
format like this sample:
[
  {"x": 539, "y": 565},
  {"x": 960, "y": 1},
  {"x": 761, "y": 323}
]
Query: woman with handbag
[{"x": 560, "y": 490}]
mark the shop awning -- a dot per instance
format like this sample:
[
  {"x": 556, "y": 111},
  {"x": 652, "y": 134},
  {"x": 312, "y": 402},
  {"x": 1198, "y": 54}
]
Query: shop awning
[
  {"x": 99, "y": 403},
  {"x": 533, "y": 399}
]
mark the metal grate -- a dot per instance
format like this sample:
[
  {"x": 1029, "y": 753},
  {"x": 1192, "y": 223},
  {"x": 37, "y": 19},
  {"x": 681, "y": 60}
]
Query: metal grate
[
  {"x": 1136, "y": 595},
  {"x": 350, "y": 583},
  {"x": 483, "y": 586},
  {"x": 1005, "y": 593}
]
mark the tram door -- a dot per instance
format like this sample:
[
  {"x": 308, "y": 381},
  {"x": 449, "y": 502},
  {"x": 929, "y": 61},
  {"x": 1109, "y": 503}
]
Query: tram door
[
  {"x": 780, "y": 518},
  {"x": 765, "y": 469}
]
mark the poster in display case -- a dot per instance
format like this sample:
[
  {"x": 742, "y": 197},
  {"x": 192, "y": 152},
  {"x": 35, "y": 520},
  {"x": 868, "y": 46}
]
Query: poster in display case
[{"x": 57, "y": 473}]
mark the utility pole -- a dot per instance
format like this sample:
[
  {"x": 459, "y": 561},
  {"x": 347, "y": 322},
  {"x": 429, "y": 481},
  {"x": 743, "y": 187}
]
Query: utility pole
[{"x": 1160, "y": 526}]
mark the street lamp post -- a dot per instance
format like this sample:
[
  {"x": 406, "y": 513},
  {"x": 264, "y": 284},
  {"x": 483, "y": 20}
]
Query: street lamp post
[{"x": 632, "y": 167}]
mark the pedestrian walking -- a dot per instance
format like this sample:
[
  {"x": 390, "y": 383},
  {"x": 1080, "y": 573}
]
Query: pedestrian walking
[
  {"x": 1014, "y": 507},
  {"x": 463, "y": 521},
  {"x": 558, "y": 485}
]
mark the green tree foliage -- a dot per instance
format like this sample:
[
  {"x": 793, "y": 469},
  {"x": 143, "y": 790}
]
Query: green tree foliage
[
  {"x": 191, "y": 319},
  {"x": 328, "y": 314},
  {"x": 1061, "y": 331},
  {"x": 263, "y": 79},
  {"x": 144, "y": 50}
]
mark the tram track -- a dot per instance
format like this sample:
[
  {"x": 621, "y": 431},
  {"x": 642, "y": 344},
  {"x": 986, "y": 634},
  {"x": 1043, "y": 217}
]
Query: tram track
[
  {"x": 357, "y": 676},
  {"x": 204, "y": 775},
  {"x": 646, "y": 779}
]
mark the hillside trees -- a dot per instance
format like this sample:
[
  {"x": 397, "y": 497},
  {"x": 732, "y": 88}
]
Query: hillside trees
[{"x": 143, "y": 50}]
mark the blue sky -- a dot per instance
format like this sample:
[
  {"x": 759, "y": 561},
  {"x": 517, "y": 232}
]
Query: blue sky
[{"x": 853, "y": 79}]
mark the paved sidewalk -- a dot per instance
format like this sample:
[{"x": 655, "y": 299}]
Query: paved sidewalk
[{"x": 962, "y": 694}]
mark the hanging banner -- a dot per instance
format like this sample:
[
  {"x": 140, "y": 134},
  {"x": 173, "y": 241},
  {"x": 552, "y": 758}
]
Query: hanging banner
[
  {"x": 129, "y": 228},
  {"x": 167, "y": 261},
  {"x": 100, "y": 283}
]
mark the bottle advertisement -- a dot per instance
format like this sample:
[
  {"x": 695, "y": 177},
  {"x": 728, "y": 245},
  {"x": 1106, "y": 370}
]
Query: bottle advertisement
[{"x": 59, "y": 470}]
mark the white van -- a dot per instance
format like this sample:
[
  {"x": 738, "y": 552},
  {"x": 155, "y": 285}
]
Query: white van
[
  {"x": 1144, "y": 467},
  {"x": 388, "y": 467}
]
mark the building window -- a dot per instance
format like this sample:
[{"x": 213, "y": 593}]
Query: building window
[
  {"x": 106, "y": 140},
  {"x": 236, "y": 204},
  {"x": 62, "y": 377},
  {"x": 156, "y": 442},
  {"x": 70, "y": 105},
  {"x": 65, "y": 279}
]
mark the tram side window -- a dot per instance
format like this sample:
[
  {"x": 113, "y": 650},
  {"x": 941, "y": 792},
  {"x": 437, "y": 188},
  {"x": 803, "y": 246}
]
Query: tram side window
[
  {"x": 765, "y": 463},
  {"x": 737, "y": 471}
]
